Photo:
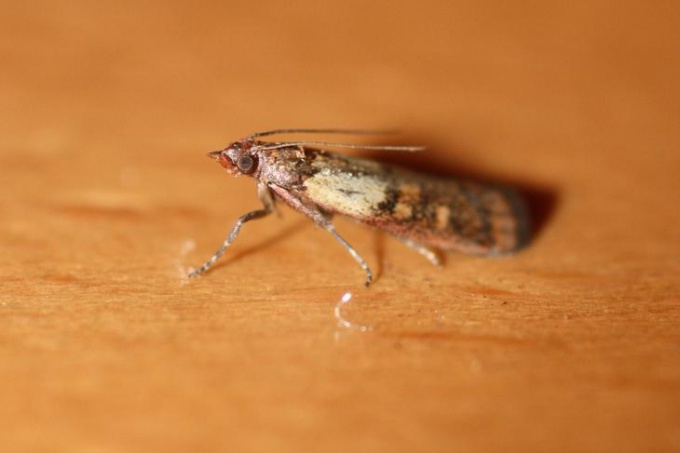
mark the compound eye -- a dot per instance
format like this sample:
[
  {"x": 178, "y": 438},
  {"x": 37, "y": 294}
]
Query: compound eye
[{"x": 246, "y": 164}]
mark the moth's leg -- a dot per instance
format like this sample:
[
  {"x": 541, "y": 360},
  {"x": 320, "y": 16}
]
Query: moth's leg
[
  {"x": 266, "y": 197},
  {"x": 431, "y": 255},
  {"x": 268, "y": 202},
  {"x": 323, "y": 221},
  {"x": 369, "y": 275}
]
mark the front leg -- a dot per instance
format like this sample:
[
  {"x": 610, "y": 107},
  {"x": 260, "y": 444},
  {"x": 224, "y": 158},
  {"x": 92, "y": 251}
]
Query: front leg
[
  {"x": 268, "y": 202},
  {"x": 314, "y": 213}
]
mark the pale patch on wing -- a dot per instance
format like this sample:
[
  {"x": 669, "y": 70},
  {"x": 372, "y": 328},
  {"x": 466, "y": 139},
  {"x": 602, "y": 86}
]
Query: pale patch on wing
[
  {"x": 410, "y": 191},
  {"x": 355, "y": 196},
  {"x": 443, "y": 214},
  {"x": 403, "y": 210}
]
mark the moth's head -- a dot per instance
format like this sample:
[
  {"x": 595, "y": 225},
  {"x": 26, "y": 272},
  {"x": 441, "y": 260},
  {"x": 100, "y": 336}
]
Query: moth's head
[{"x": 238, "y": 158}]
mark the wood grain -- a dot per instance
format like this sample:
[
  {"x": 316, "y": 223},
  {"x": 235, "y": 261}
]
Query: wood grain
[{"x": 107, "y": 111}]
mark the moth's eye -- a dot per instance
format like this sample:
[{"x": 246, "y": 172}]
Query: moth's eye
[{"x": 246, "y": 164}]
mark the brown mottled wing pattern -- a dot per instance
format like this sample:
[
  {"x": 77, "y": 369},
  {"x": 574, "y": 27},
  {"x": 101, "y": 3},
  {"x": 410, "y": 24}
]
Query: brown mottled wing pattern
[
  {"x": 448, "y": 214},
  {"x": 454, "y": 215}
]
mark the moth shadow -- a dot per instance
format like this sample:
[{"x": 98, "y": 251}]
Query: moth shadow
[{"x": 445, "y": 160}]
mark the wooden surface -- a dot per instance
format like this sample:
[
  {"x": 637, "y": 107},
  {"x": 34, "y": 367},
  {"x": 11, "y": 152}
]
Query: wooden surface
[{"x": 107, "y": 111}]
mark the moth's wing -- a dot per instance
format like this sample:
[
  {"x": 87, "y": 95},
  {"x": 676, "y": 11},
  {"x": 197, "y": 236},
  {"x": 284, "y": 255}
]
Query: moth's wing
[
  {"x": 477, "y": 218},
  {"x": 445, "y": 213}
]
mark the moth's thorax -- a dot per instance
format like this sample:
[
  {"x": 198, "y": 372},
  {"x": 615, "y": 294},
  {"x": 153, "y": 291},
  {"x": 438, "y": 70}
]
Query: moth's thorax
[{"x": 281, "y": 166}]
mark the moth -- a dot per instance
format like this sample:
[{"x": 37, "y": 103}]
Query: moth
[{"x": 425, "y": 212}]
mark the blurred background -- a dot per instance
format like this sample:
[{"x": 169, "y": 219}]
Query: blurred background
[{"x": 106, "y": 112}]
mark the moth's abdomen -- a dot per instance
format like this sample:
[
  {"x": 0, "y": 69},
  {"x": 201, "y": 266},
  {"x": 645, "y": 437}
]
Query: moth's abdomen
[
  {"x": 458, "y": 216},
  {"x": 487, "y": 220}
]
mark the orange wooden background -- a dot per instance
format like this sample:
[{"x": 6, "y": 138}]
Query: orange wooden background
[{"x": 106, "y": 111}]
